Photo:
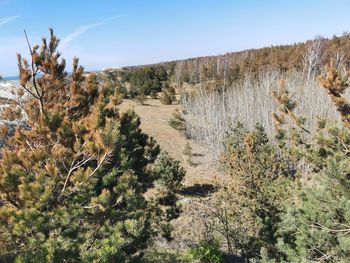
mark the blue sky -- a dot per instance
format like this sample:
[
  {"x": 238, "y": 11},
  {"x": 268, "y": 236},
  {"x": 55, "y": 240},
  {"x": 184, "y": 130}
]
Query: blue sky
[{"x": 112, "y": 33}]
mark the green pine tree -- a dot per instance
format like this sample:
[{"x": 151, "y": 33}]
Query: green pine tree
[
  {"x": 250, "y": 202},
  {"x": 72, "y": 187},
  {"x": 315, "y": 223}
]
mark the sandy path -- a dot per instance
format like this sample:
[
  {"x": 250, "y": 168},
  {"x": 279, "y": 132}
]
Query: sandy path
[
  {"x": 154, "y": 121},
  {"x": 199, "y": 180}
]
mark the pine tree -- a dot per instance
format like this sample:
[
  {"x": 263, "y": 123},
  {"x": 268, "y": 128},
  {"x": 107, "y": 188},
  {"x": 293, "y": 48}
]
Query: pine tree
[
  {"x": 178, "y": 121},
  {"x": 316, "y": 218},
  {"x": 170, "y": 176},
  {"x": 336, "y": 84},
  {"x": 250, "y": 200},
  {"x": 72, "y": 185},
  {"x": 172, "y": 93}
]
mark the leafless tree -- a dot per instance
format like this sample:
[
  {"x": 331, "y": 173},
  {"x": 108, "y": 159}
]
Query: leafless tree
[
  {"x": 210, "y": 114},
  {"x": 340, "y": 60},
  {"x": 178, "y": 72},
  {"x": 312, "y": 58},
  {"x": 218, "y": 60},
  {"x": 194, "y": 71}
]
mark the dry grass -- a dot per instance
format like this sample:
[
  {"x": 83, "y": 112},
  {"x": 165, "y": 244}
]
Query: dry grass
[
  {"x": 201, "y": 174},
  {"x": 154, "y": 121}
]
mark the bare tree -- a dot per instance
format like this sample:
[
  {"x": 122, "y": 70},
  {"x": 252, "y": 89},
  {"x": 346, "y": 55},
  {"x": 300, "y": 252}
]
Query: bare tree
[
  {"x": 218, "y": 60},
  {"x": 211, "y": 113},
  {"x": 340, "y": 60},
  {"x": 178, "y": 72},
  {"x": 312, "y": 58},
  {"x": 194, "y": 71}
]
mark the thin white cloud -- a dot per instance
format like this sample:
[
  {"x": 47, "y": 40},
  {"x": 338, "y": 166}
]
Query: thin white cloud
[
  {"x": 6, "y": 20},
  {"x": 81, "y": 30}
]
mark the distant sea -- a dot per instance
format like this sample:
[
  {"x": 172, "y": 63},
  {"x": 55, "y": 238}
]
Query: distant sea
[{"x": 11, "y": 78}]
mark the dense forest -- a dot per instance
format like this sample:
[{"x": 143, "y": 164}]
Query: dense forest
[
  {"x": 232, "y": 66},
  {"x": 228, "y": 68},
  {"x": 82, "y": 182}
]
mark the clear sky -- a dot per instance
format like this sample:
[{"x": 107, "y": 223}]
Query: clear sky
[{"x": 112, "y": 33}]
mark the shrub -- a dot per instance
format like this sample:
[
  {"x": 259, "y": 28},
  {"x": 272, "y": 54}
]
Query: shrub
[
  {"x": 177, "y": 121},
  {"x": 171, "y": 92},
  {"x": 165, "y": 98},
  {"x": 170, "y": 172},
  {"x": 154, "y": 95},
  {"x": 207, "y": 251},
  {"x": 141, "y": 99},
  {"x": 120, "y": 89},
  {"x": 187, "y": 149}
]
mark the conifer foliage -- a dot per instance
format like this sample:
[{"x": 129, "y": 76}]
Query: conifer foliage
[
  {"x": 246, "y": 213},
  {"x": 336, "y": 84},
  {"x": 72, "y": 186},
  {"x": 288, "y": 201},
  {"x": 316, "y": 219}
]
